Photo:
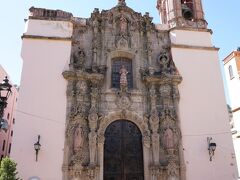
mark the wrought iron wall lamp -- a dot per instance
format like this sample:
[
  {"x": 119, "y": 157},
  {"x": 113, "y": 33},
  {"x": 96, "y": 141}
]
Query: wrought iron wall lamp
[
  {"x": 211, "y": 147},
  {"x": 37, "y": 147}
]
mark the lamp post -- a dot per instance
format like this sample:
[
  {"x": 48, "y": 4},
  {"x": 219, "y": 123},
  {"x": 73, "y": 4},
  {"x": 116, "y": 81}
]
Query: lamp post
[{"x": 5, "y": 91}]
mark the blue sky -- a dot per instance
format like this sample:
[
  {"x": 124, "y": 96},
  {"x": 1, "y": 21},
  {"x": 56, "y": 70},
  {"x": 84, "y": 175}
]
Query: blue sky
[{"x": 222, "y": 16}]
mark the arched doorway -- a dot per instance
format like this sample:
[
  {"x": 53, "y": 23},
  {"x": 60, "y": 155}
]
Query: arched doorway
[{"x": 123, "y": 153}]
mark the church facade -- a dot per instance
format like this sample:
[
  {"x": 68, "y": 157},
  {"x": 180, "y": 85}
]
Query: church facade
[{"x": 117, "y": 97}]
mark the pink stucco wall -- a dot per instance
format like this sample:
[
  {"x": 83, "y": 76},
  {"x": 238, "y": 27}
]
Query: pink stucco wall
[{"x": 9, "y": 115}]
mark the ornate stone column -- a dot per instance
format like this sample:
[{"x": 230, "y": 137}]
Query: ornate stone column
[
  {"x": 96, "y": 36},
  {"x": 70, "y": 93},
  {"x": 148, "y": 23},
  {"x": 154, "y": 123},
  {"x": 146, "y": 150},
  {"x": 93, "y": 122},
  {"x": 95, "y": 80},
  {"x": 101, "y": 141}
]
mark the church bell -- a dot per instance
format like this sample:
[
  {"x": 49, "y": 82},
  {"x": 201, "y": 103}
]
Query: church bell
[{"x": 187, "y": 12}]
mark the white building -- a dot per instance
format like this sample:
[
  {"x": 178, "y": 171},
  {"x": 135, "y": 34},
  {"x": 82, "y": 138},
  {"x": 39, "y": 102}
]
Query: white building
[
  {"x": 232, "y": 73},
  {"x": 149, "y": 119}
]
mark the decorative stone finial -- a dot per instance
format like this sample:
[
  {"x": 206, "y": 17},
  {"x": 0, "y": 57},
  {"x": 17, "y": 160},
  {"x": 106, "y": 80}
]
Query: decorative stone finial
[{"x": 121, "y": 3}]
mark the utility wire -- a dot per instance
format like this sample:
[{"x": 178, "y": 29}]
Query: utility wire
[
  {"x": 39, "y": 117},
  {"x": 184, "y": 135}
]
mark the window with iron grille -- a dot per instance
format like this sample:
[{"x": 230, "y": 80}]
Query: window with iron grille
[{"x": 116, "y": 65}]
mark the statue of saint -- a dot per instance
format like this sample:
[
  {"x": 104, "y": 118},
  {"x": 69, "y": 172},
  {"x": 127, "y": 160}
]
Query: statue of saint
[
  {"x": 78, "y": 59},
  {"x": 168, "y": 138},
  {"x": 123, "y": 25},
  {"x": 123, "y": 76},
  {"x": 78, "y": 139}
]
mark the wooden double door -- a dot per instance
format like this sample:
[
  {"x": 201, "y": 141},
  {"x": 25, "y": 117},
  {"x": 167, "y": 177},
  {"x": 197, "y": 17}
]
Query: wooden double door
[{"x": 123, "y": 153}]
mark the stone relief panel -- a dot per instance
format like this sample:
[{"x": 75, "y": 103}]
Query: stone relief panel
[{"x": 93, "y": 104}]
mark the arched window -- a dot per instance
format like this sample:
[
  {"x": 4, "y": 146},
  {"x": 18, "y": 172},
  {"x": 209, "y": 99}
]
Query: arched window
[
  {"x": 116, "y": 65},
  {"x": 230, "y": 70}
]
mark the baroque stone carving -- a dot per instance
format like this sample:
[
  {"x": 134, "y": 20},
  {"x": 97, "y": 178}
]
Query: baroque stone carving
[
  {"x": 122, "y": 38},
  {"x": 92, "y": 105},
  {"x": 78, "y": 59},
  {"x": 166, "y": 63},
  {"x": 47, "y": 13},
  {"x": 77, "y": 133},
  {"x": 121, "y": 2},
  {"x": 123, "y": 25},
  {"x": 170, "y": 135}
]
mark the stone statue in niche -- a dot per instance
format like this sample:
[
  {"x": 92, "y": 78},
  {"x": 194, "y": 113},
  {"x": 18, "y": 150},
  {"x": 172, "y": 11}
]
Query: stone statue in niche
[
  {"x": 78, "y": 139},
  {"x": 168, "y": 138},
  {"x": 123, "y": 77},
  {"x": 78, "y": 59},
  {"x": 80, "y": 152},
  {"x": 123, "y": 25},
  {"x": 164, "y": 62}
]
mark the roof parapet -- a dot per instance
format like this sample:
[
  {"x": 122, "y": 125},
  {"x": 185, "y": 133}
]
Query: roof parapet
[{"x": 41, "y": 13}]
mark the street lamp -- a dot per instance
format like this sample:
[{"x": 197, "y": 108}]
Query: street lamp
[{"x": 5, "y": 91}]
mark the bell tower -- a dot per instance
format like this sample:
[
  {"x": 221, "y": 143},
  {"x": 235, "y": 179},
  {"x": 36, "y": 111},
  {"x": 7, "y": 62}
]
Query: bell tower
[{"x": 182, "y": 13}]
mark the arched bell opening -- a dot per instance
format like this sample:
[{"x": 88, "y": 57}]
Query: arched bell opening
[{"x": 187, "y": 9}]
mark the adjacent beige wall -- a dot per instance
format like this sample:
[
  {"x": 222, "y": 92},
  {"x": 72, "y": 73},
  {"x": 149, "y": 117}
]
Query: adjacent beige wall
[
  {"x": 48, "y": 28},
  {"x": 42, "y": 108},
  {"x": 203, "y": 111}
]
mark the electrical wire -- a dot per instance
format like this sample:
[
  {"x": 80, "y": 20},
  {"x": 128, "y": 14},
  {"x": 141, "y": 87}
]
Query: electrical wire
[{"x": 39, "y": 117}]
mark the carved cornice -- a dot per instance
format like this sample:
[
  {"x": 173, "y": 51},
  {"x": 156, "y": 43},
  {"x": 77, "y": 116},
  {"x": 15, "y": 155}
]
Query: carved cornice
[
  {"x": 24, "y": 36},
  {"x": 41, "y": 13},
  {"x": 182, "y": 46},
  {"x": 170, "y": 79},
  {"x": 95, "y": 78}
]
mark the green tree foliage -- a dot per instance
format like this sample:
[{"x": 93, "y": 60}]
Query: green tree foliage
[{"x": 8, "y": 169}]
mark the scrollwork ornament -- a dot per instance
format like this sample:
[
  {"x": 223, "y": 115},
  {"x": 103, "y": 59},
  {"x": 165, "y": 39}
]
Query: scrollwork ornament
[{"x": 173, "y": 170}]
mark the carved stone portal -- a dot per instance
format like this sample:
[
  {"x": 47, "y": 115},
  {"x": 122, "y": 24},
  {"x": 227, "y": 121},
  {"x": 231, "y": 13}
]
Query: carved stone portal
[{"x": 147, "y": 111}]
